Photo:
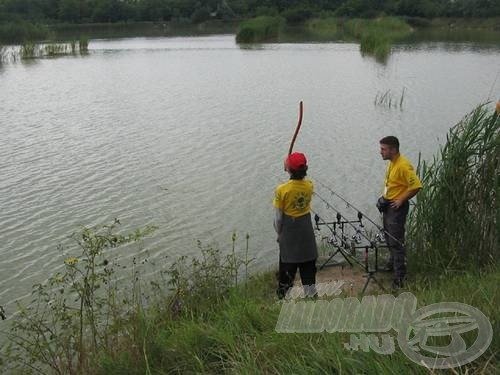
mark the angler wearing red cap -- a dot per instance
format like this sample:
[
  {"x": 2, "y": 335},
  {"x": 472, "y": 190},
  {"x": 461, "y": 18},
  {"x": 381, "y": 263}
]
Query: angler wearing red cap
[{"x": 292, "y": 203}]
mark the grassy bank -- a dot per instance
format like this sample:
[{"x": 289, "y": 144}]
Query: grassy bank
[
  {"x": 234, "y": 331},
  {"x": 238, "y": 336}
]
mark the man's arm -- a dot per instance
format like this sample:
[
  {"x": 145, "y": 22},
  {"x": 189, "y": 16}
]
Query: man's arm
[
  {"x": 278, "y": 220},
  {"x": 396, "y": 203}
]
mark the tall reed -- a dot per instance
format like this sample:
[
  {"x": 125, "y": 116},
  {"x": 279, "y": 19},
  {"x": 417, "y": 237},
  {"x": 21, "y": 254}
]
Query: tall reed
[
  {"x": 3, "y": 53},
  {"x": 454, "y": 224},
  {"x": 388, "y": 100},
  {"x": 29, "y": 50},
  {"x": 83, "y": 44},
  {"x": 54, "y": 49}
]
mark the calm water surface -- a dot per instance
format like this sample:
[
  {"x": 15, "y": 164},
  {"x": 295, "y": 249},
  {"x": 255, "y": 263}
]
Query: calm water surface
[{"x": 190, "y": 134}]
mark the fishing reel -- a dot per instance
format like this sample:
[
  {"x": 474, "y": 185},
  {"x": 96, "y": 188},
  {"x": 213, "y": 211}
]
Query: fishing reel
[
  {"x": 356, "y": 238},
  {"x": 333, "y": 240},
  {"x": 380, "y": 237}
]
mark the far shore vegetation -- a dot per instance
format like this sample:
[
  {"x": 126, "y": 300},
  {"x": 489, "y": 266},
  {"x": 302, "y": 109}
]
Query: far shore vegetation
[
  {"x": 42, "y": 20},
  {"x": 103, "y": 314},
  {"x": 375, "y": 25}
]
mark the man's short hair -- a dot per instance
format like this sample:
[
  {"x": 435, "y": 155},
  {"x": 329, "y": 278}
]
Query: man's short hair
[{"x": 390, "y": 141}]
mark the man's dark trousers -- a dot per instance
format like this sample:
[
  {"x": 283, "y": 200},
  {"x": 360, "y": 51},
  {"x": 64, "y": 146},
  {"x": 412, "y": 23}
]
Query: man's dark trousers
[
  {"x": 286, "y": 275},
  {"x": 394, "y": 223}
]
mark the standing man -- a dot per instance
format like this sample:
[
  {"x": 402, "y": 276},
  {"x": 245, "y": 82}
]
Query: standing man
[
  {"x": 400, "y": 185},
  {"x": 293, "y": 225}
]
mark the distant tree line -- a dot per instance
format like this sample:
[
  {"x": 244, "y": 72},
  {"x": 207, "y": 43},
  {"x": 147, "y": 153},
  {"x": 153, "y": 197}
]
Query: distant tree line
[{"x": 88, "y": 11}]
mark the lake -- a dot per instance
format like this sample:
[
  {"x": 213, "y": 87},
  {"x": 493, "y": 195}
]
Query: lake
[{"x": 190, "y": 133}]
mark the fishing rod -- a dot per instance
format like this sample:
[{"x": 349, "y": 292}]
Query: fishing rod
[
  {"x": 299, "y": 124},
  {"x": 349, "y": 204},
  {"x": 297, "y": 128}
]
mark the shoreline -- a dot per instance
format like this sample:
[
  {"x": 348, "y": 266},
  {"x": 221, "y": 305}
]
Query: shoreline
[{"x": 51, "y": 32}]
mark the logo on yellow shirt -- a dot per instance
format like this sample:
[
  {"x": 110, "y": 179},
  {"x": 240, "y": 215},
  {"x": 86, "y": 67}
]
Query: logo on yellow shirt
[{"x": 300, "y": 201}]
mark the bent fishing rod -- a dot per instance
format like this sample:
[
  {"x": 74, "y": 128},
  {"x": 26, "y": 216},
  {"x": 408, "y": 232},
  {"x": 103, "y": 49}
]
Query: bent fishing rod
[{"x": 299, "y": 123}]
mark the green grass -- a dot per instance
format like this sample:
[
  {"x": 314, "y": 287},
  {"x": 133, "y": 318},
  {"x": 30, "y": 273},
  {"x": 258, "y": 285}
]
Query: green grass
[
  {"x": 260, "y": 29},
  {"x": 238, "y": 335}
]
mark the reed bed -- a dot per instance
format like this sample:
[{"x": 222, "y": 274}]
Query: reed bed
[
  {"x": 31, "y": 50},
  {"x": 55, "y": 49},
  {"x": 83, "y": 45},
  {"x": 454, "y": 224},
  {"x": 377, "y": 36},
  {"x": 3, "y": 53},
  {"x": 260, "y": 29}
]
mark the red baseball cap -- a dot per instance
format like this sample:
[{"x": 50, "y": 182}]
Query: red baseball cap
[{"x": 296, "y": 161}]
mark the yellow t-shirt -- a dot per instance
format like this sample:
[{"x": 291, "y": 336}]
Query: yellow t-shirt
[
  {"x": 399, "y": 178},
  {"x": 294, "y": 197}
]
